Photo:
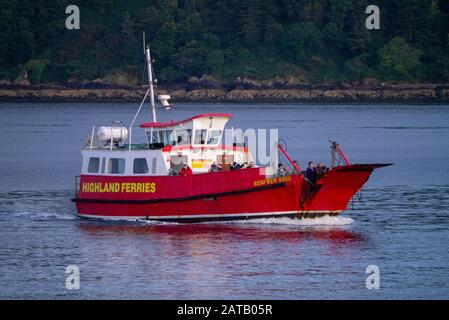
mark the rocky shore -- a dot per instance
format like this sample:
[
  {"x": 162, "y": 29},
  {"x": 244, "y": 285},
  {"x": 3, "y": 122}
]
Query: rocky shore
[{"x": 231, "y": 93}]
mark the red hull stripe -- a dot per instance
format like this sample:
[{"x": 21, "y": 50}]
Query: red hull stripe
[{"x": 201, "y": 196}]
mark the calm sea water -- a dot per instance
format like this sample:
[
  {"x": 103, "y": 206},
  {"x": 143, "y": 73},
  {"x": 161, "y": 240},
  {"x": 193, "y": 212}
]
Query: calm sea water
[{"x": 402, "y": 225}]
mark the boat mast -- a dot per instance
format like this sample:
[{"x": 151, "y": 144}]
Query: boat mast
[{"x": 150, "y": 78}]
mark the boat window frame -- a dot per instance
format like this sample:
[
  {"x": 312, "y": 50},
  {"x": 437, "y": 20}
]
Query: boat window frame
[
  {"x": 186, "y": 142},
  {"x": 169, "y": 137},
  {"x": 120, "y": 172},
  {"x": 97, "y": 165},
  {"x": 217, "y": 137},
  {"x": 146, "y": 165},
  {"x": 200, "y": 131}
]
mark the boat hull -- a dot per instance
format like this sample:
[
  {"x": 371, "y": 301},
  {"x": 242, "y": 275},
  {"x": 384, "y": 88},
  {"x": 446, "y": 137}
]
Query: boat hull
[
  {"x": 238, "y": 194},
  {"x": 277, "y": 201},
  {"x": 227, "y": 195}
]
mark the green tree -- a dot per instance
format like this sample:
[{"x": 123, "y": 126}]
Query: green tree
[
  {"x": 251, "y": 23},
  {"x": 191, "y": 60},
  {"x": 215, "y": 61},
  {"x": 300, "y": 41},
  {"x": 35, "y": 69},
  {"x": 338, "y": 14},
  {"x": 398, "y": 60}
]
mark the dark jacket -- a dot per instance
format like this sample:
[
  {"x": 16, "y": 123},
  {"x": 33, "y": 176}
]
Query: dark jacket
[{"x": 311, "y": 174}]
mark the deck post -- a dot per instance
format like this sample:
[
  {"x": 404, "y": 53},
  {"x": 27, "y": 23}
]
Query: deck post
[
  {"x": 343, "y": 156},
  {"x": 92, "y": 138}
]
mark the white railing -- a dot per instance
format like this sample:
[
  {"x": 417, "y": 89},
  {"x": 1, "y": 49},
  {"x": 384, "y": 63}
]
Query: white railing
[{"x": 134, "y": 119}]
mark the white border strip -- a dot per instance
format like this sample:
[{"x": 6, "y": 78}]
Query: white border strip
[{"x": 196, "y": 216}]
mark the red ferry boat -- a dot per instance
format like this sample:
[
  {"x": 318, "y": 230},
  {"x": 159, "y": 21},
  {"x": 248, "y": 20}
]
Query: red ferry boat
[{"x": 170, "y": 176}]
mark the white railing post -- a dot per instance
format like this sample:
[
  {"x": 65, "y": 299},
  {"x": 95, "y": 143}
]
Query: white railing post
[
  {"x": 135, "y": 117},
  {"x": 92, "y": 138}
]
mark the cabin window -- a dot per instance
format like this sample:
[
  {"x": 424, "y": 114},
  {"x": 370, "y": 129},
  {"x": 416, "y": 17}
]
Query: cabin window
[
  {"x": 94, "y": 165},
  {"x": 140, "y": 165},
  {"x": 116, "y": 165},
  {"x": 152, "y": 136},
  {"x": 183, "y": 136},
  {"x": 214, "y": 136},
  {"x": 169, "y": 137},
  {"x": 157, "y": 137},
  {"x": 154, "y": 165},
  {"x": 200, "y": 136}
]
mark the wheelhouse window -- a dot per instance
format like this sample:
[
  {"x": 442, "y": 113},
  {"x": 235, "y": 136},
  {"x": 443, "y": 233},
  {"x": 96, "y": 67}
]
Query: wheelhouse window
[
  {"x": 169, "y": 137},
  {"x": 214, "y": 137},
  {"x": 94, "y": 165},
  {"x": 140, "y": 165},
  {"x": 154, "y": 136},
  {"x": 183, "y": 136},
  {"x": 116, "y": 165},
  {"x": 200, "y": 136},
  {"x": 160, "y": 136}
]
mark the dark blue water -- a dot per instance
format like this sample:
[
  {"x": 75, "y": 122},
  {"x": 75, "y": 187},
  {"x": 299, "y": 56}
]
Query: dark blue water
[{"x": 402, "y": 225}]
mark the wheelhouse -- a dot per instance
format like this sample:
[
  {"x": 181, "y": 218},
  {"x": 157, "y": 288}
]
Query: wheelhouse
[{"x": 202, "y": 130}]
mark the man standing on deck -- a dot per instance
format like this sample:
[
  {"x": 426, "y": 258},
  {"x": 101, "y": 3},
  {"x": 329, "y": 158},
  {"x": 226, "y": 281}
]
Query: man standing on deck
[
  {"x": 311, "y": 172},
  {"x": 320, "y": 170},
  {"x": 185, "y": 170}
]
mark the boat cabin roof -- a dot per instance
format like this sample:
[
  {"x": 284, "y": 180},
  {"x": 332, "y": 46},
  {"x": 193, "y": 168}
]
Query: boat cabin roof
[{"x": 177, "y": 123}]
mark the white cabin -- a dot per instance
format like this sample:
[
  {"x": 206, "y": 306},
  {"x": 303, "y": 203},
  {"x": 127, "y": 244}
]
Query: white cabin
[{"x": 196, "y": 141}]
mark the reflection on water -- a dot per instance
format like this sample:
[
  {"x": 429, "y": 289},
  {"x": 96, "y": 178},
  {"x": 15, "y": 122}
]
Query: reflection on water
[
  {"x": 218, "y": 232},
  {"x": 402, "y": 225}
]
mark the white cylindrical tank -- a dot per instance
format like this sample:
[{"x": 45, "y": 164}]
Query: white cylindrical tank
[{"x": 116, "y": 133}]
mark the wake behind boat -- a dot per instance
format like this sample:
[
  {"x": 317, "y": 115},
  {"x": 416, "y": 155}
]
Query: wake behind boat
[{"x": 183, "y": 171}]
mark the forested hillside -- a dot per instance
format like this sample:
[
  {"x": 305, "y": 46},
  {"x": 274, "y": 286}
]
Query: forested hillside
[{"x": 302, "y": 41}]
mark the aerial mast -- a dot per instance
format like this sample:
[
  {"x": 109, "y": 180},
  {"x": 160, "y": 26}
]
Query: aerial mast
[{"x": 150, "y": 77}]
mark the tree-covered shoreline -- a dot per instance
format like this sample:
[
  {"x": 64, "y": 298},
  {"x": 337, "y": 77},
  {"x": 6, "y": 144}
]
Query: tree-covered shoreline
[
  {"x": 290, "y": 42},
  {"x": 243, "y": 92}
]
